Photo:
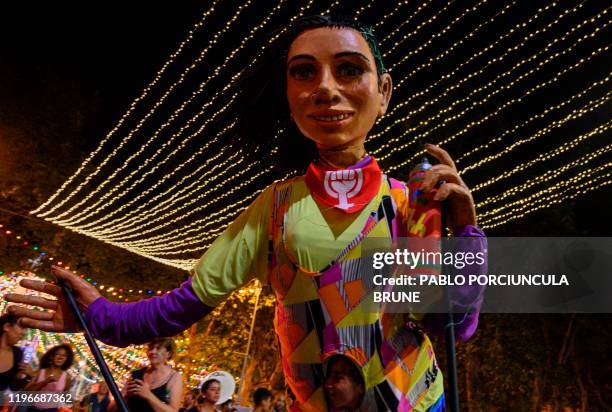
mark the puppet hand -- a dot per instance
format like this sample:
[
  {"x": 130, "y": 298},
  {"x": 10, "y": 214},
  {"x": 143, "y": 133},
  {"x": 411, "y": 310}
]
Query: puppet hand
[
  {"x": 461, "y": 204},
  {"x": 59, "y": 317}
]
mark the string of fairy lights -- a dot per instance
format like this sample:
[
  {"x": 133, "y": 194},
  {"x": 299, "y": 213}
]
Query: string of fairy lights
[
  {"x": 508, "y": 103},
  {"x": 460, "y": 66},
  {"x": 397, "y": 29},
  {"x": 531, "y": 119},
  {"x": 102, "y": 200},
  {"x": 419, "y": 26},
  {"x": 394, "y": 147},
  {"x": 160, "y": 203},
  {"x": 570, "y": 188},
  {"x": 176, "y": 114},
  {"x": 34, "y": 255},
  {"x": 473, "y": 74},
  {"x": 545, "y": 178},
  {"x": 575, "y": 114},
  {"x": 158, "y": 76},
  {"x": 186, "y": 183},
  {"x": 542, "y": 157}
]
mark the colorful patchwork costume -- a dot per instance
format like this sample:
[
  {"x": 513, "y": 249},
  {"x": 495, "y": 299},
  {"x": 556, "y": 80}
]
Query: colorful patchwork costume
[
  {"x": 323, "y": 314},
  {"x": 311, "y": 255}
]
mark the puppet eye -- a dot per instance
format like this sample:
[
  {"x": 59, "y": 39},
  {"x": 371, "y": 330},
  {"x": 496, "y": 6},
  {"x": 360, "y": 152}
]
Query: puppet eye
[
  {"x": 350, "y": 70},
  {"x": 302, "y": 71}
]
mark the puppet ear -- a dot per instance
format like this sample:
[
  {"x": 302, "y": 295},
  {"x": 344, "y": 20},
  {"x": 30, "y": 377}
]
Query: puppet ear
[{"x": 386, "y": 89}]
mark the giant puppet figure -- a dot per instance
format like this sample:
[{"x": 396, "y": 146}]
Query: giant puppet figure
[{"x": 309, "y": 103}]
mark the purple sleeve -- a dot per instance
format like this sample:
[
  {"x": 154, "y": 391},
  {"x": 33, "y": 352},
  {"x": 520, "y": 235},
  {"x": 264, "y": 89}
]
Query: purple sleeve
[
  {"x": 466, "y": 300},
  {"x": 122, "y": 324}
]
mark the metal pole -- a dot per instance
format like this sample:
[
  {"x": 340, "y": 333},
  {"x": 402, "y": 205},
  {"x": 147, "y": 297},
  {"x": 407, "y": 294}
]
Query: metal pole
[
  {"x": 449, "y": 331},
  {"x": 246, "y": 355},
  {"x": 452, "y": 357},
  {"x": 95, "y": 350}
]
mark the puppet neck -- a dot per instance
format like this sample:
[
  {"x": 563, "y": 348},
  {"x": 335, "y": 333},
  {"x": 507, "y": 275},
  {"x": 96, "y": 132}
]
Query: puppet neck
[{"x": 341, "y": 157}]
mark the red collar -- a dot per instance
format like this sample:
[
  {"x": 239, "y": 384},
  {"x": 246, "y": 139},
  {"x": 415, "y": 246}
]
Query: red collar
[{"x": 349, "y": 189}]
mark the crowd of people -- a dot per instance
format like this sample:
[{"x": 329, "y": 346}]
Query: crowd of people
[
  {"x": 156, "y": 387},
  {"x": 16, "y": 374}
]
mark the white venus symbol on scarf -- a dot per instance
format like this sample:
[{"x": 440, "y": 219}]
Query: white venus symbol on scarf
[{"x": 343, "y": 185}]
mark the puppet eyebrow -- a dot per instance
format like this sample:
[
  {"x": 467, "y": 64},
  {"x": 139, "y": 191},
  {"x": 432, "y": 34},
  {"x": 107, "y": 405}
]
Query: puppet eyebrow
[
  {"x": 337, "y": 55},
  {"x": 352, "y": 53},
  {"x": 302, "y": 56}
]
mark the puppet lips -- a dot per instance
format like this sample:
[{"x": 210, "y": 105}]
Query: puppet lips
[
  {"x": 332, "y": 123},
  {"x": 334, "y": 118},
  {"x": 331, "y": 116}
]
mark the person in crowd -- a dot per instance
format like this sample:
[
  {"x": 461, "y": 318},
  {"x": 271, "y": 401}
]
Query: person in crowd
[
  {"x": 344, "y": 385},
  {"x": 14, "y": 374},
  {"x": 307, "y": 104},
  {"x": 52, "y": 376},
  {"x": 279, "y": 402},
  {"x": 262, "y": 399},
  {"x": 191, "y": 400},
  {"x": 209, "y": 396},
  {"x": 157, "y": 387},
  {"x": 98, "y": 401}
]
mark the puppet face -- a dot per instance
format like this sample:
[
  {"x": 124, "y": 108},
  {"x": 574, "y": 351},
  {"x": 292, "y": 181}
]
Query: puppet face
[{"x": 333, "y": 88}]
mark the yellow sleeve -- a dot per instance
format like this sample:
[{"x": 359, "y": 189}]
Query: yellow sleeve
[{"x": 239, "y": 254}]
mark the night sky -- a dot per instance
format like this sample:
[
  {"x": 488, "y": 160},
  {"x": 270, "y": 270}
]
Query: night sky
[{"x": 107, "y": 51}]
